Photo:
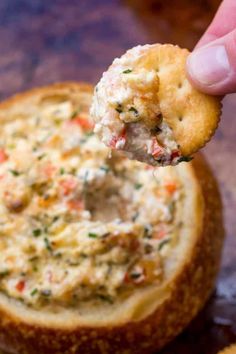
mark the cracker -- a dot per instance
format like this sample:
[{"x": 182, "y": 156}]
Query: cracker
[
  {"x": 192, "y": 115},
  {"x": 148, "y": 86}
]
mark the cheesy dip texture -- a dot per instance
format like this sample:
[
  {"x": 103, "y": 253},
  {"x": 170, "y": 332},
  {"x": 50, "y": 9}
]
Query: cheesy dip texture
[
  {"x": 77, "y": 225},
  {"x": 127, "y": 112}
]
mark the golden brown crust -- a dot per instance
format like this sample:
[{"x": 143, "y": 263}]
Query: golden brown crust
[
  {"x": 229, "y": 350},
  {"x": 188, "y": 293},
  {"x": 192, "y": 115}
]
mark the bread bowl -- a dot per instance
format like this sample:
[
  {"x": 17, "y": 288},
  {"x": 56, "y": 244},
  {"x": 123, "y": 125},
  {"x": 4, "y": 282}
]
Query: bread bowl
[
  {"x": 145, "y": 106},
  {"x": 229, "y": 350},
  {"x": 123, "y": 275}
]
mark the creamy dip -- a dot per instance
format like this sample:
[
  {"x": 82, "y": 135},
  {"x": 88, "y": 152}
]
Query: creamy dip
[{"x": 76, "y": 225}]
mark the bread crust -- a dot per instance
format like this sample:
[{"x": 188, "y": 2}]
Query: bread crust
[
  {"x": 187, "y": 293},
  {"x": 229, "y": 350}
]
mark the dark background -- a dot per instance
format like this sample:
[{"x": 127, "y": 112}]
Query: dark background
[{"x": 43, "y": 41}]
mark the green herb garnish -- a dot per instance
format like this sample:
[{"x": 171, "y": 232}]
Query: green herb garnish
[
  {"x": 147, "y": 231},
  {"x": 135, "y": 216},
  {"x": 127, "y": 71},
  {"x": 185, "y": 159},
  {"x": 15, "y": 173},
  {"x": 55, "y": 218},
  {"x": 163, "y": 243},
  {"x": 34, "y": 292},
  {"x": 88, "y": 134},
  {"x": 37, "y": 232},
  {"x": 48, "y": 244},
  {"x": 105, "y": 298},
  {"x": 62, "y": 171},
  {"x": 33, "y": 259},
  {"x": 92, "y": 235},
  {"x": 119, "y": 108},
  {"x": 4, "y": 273},
  {"x": 58, "y": 255},
  {"x": 105, "y": 168},
  {"x": 134, "y": 110},
  {"x": 138, "y": 186},
  {"x": 74, "y": 114},
  {"x": 40, "y": 157}
]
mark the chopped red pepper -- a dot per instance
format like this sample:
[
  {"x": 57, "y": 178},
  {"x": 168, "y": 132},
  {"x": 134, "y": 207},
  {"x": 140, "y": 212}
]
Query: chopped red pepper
[
  {"x": 175, "y": 154},
  {"x": 20, "y": 286},
  {"x": 158, "y": 235},
  {"x": 49, "y": 170},
  {"x": 3, "y": 156},
  {"x": 118, "y": 139},
  {"x": 149, "y": 167},
  {"x": 157, "y": 150},
  {"x": 84, "y": 123},
  {"x": 75, "y": 204},
  {"x": 68, "y": 185},
  {"x": 171, "y": 187}
]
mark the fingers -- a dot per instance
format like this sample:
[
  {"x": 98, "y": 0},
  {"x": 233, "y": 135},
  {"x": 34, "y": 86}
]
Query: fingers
[
  {"x": 212, "y": 68},
  {"x": 223, "y": 23}
]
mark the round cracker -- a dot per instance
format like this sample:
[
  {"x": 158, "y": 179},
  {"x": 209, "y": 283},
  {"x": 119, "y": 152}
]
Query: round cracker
[{"x": 192, "y": 115}]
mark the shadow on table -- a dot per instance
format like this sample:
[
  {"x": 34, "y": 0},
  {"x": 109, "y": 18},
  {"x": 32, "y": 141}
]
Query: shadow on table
[{"x": 212, "y": 330}]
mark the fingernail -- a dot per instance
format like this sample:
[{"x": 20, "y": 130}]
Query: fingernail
[{"x": 209, "y": 65}]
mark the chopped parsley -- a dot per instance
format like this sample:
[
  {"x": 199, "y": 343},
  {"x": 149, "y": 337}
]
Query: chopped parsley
[
  {"x": 147, "y": 231},
  {"x": 55, "y": 218},
  {"x": 134, "y": 110},
  {"x": 88, "y": 134},
  {"x": 135, "y": 216},
  {"x": 33, "y": 259},
  {"x": 62, "y": 171},
  {"x": 163, "y": 243},
  {"x": 37, "y": 232},
  {"x": 127, "y": 71},
  {"x": 4, "y": 273},
  {"x": 92, "y": 235},
  {"x": 15, "y": 173},
  {"x": 34, "y": 292},
  {"x": 74, "y": 115},
  {"x": 105, "y": 168},
  {"x": 105, "y": 298},
  {"x": 119, "y": 108},
  {"x": 47, "y": 244},
  {"x": 40, "y": 157},
  {"x": 138, "y": 186}
]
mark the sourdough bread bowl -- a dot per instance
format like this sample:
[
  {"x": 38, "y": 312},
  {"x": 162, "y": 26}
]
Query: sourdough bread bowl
[
  {"x": 99, "y": 254},
  {"x": 229, "y": 350}
]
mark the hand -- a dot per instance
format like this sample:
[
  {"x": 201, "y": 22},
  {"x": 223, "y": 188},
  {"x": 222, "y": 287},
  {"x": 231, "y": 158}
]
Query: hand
[{"x": 212, "y": 66}]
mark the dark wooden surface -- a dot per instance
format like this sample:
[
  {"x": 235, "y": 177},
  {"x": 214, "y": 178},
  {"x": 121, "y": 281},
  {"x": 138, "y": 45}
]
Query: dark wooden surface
[{"x": 43, "y": 41}]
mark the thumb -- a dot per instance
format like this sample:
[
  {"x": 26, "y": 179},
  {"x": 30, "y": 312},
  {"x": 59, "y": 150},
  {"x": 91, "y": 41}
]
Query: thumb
[{"x": 212, "y": 68}]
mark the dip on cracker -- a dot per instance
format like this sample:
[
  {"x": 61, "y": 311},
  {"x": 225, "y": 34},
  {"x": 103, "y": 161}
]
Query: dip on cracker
[{"x": 145, "y": 106}]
